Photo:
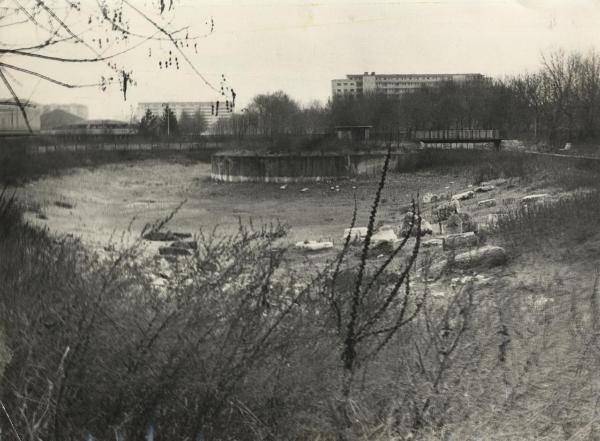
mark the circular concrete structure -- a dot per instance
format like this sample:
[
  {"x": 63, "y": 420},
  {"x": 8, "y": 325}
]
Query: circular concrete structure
[{"x": 295, "y": 167}]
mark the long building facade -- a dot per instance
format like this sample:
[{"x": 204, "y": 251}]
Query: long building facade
[
  {"x": 393, "y": 85},
  {"x": 12, "y": 120},
  {"x": 212, "y": 111}
]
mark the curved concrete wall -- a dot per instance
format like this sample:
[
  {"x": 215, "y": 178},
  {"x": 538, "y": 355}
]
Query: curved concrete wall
[{"x": 298, "y": 168}]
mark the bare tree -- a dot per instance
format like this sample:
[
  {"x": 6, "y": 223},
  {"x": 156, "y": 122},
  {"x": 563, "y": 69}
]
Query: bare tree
[{"x": 101, "y": 33}]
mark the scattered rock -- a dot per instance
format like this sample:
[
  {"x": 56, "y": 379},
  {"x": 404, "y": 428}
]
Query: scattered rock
[
  {"x": 495, "y": 182},
  {"x": 463, "y": 196},
  {"x": 157, "y": 281},
  {"x": 432, "y": 243},
  {"x": 487, "y": 256},
  {"x": 382, "y": 248},
  {"x": 165, "y": 276},
  {"x": 455, "y": 241},
  {"x": 484, "y": 188},
  {"x": 314, "y": 245},
  {"x": 165, "y": 236},
  {"x": 187, "y": 245},
  {"x": 430, "y": 198},
  {"x": 540, "y": 302},
  {"x": 63, "y": 204},
  {"x": 160, "y": 236},
  {"x": 406, "y": 230},
  {"x": 356, "y": 233},
  {"x": 182, "y": 235},
  {"x": 384, "y": 234},
  {"x": 475, "y": 279},
  {"x": 460, "y": 223},
  {"x": 443, "y": 211},
  {"x": 534, "y": 198},
  {"x": 173, "y": 251},
  {"x": 486, "y": 203}
]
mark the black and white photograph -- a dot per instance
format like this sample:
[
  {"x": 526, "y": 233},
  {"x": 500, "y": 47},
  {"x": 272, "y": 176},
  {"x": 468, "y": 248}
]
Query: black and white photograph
[{"x": 299, "y": 220}]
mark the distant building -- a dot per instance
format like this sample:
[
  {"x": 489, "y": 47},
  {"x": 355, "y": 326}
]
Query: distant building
[
  {"x": 209, "y": 109},
  {"x": 12, "y": 120},
  {"x": 74, "y": 109},
  {"x": 94, "y": 127},
  {"x": 353, "y": 133},
  {"x": 393, "y": 85}
]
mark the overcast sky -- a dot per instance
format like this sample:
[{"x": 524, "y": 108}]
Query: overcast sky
[{"x": 298, "y": 47}]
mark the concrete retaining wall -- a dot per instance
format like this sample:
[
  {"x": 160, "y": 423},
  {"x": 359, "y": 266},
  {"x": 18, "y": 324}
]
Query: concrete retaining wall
[{"x": 298, "y": 168}]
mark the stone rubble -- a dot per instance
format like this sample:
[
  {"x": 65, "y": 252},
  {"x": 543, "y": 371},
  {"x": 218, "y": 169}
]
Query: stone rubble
[
  {"x": 487, "y": 256},
  {"x": 486, "y": 203},
  {"x": 463, "y": 240},
  {"x": 463, "y": 196}
]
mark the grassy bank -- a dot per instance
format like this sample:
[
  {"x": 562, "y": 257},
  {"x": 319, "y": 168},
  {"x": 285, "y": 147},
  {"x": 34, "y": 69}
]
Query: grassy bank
[
  {"x": 231, "y": 343},
  {"x": 482, "y": 165},
  {"x": 17, "y": 166}
]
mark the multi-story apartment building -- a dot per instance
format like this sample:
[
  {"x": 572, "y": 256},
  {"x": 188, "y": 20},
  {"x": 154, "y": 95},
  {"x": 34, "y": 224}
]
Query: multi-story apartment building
[
  {"x": 393, "y": 85},
  {"x": 208, "y": 109}
]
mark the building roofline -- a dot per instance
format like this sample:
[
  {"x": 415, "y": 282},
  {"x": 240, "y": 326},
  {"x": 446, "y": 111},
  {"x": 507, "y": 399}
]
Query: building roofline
[
  {"x": 10, "y": 102},
  {"x": 410, "y": 74},
  {"x": 176, "y": 102}
]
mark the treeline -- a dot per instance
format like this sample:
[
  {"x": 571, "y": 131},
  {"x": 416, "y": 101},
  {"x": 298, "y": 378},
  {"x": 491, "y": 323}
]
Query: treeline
[
  {"x": 558, "y": 103},
  {"x": 167, "y": 124}
]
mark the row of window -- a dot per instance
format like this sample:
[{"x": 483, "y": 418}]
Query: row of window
[
  {"x": 387, "y": 91},
  {"x": 399, "y": 86},
  {"x": 409, "y": 77},
  {"x": 418, "y": 77}
]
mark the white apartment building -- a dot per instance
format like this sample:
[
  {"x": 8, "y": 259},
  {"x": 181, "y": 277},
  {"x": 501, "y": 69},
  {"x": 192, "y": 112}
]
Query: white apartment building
[
  {"x": 208, "y": 109},
  {"x": 393, "y": 85}
]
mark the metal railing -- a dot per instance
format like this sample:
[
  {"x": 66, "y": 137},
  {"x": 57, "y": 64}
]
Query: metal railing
[{"x": 457, "y": 135}]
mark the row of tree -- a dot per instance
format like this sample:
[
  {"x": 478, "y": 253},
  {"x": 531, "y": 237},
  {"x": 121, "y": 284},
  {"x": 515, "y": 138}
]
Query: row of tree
[
  {"x": 167, "y": 124},
  {"x": 560, "y": 102}
]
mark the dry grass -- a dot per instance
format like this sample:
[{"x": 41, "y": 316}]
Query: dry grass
[
  {"x": 566, "y": 222},
  {"x": 484, "y": 165},
  {"x": 511, "y": 358}
]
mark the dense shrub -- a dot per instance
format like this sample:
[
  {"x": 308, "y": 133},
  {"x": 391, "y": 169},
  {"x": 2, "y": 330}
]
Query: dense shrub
[
  {"x": 481, "y": 165},
  {"x": 238, "y": 342},
  {"x": 567, "y": 221}
]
